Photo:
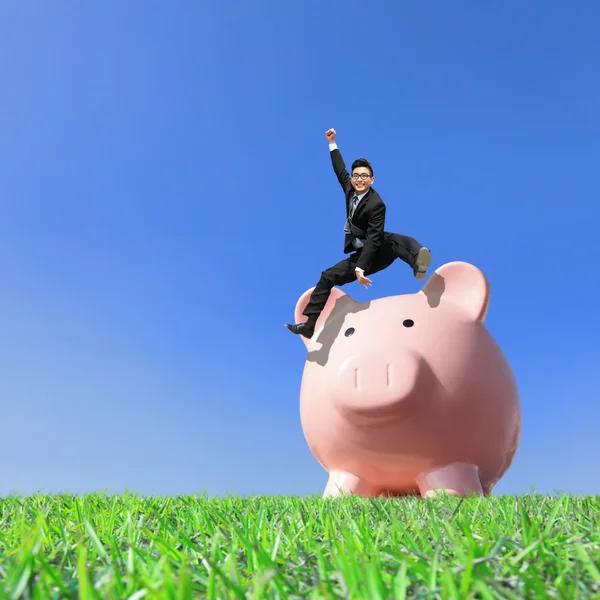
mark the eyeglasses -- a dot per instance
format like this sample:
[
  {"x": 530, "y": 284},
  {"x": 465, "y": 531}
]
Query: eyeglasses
[{"x": 363, "y": 176}]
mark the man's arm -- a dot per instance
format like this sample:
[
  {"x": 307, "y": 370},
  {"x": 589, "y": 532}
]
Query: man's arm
[
  {"x": 340, "y": 170},
  {"x": 337, "y": 161},
  {"x": 374, "y": 238}
]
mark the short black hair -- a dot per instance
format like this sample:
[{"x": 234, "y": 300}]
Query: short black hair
[{"x": 362, "y": 162}]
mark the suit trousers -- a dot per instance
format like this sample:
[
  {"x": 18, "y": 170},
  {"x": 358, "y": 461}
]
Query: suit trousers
[{"x": 393, "y": 246}]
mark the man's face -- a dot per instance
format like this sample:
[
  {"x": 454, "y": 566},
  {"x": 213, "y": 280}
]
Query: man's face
[{"x": 361, "y": 180}]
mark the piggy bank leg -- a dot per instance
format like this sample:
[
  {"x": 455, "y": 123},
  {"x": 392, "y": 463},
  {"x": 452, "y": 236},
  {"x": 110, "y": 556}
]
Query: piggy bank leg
[
  {"x": 344, "y": 484},
  {"x": 458, "y": 479}
]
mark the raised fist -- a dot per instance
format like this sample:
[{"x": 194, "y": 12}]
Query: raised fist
[{"x": 330, "y": 135}]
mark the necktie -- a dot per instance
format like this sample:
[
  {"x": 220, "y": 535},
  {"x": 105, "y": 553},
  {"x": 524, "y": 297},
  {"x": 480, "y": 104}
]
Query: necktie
[{"x": 352, "y": 209}]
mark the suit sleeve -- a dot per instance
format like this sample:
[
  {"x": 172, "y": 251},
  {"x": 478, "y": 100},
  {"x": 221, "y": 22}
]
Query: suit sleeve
[
  {"x": 340, "y": 169},
  {"x": 374, "y": 237}
]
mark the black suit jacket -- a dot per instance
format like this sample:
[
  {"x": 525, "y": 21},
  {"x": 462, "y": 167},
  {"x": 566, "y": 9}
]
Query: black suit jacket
[{"x": 368, "y": 220}]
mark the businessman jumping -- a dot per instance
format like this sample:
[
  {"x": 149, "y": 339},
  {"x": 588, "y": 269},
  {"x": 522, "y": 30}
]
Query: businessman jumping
[{"x": 371, "y": 248}]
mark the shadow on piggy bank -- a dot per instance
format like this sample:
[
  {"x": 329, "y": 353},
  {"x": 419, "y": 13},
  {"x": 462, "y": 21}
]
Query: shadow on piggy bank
[{"x": 410, "y": 394}]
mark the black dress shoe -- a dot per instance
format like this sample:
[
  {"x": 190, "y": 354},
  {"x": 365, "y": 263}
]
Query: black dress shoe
[{"x": 305, "y": 329}]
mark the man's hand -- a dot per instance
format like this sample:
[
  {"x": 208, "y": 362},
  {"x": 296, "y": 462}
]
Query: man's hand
[
  {"x": 330, "y": 135},
  {"x": 364, "y": 281}
]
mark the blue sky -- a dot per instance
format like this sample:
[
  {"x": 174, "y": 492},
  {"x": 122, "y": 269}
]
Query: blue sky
[{"x": 167, "y": 195}]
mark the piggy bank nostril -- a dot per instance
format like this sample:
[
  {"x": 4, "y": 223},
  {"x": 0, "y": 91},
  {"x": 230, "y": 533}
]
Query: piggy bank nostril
[
  {"x": 349, "y": 331},
  {"x": 408, "y": 323}
]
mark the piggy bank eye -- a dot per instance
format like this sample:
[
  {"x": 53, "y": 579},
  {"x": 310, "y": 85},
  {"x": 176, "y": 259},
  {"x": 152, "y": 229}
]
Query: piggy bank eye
[
  {"x": 349, "y": 331},
  {"x": 408, "y": 322}
]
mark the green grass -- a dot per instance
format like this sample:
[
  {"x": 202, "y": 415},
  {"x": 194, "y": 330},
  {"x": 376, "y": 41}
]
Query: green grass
[{"x": 127, "y": 546}]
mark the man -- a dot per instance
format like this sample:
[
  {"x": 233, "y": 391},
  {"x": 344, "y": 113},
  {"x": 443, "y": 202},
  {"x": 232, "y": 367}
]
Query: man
[{"x": 372, "y": 248}]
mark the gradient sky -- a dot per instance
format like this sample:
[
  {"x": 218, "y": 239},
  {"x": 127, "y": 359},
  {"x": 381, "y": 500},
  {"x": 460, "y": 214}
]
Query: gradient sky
[{"x": 167, "y": 195}]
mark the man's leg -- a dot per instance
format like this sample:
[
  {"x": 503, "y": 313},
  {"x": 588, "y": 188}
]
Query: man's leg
[
  {"x": 395, "y": 245},
  {"x": 340, "y": 274},
  {"x": 409, "y": 250}
]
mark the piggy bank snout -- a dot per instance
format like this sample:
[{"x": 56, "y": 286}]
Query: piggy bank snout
[{"x": 379, "y": 386}]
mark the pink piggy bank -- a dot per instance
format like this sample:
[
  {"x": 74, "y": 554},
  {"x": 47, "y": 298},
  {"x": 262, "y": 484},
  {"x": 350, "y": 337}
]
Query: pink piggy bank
[{"x": 410, "y": 394}]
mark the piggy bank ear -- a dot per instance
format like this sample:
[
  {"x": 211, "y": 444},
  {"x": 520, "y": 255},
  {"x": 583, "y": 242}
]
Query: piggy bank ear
[
  {"x": 461, "y": 284},
  {"x": 333, "y": 301}
]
